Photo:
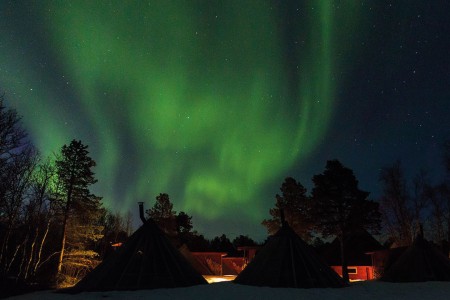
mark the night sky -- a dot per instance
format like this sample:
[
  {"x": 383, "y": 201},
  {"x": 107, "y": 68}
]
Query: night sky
[{"x": 216, "y": 102}]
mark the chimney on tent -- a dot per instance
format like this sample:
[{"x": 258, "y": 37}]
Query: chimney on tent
[{"x": 141, "y": 212}]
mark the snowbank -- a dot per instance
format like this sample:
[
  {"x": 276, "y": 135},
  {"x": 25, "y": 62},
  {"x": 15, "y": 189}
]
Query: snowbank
[{"x": 228, "y": 290}]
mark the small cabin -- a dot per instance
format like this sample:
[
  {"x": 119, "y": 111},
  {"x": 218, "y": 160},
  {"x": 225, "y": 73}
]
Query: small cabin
[{"x": 360, "y": 247}]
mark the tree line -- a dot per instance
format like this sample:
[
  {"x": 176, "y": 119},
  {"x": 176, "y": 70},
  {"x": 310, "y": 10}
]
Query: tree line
[
  {"x": 411, "y": 206},
  {"x": 52, "y": 228},
  {"x": 179, "y": 228},
  {"x": 337, "y": 207}
]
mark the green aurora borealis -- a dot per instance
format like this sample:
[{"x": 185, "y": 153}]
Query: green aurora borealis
[{"x": 209, "y": 101}]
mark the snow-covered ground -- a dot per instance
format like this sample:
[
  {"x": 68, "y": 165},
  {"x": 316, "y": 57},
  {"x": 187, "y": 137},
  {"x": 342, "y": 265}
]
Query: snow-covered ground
[{"x": 228, "y": 290}]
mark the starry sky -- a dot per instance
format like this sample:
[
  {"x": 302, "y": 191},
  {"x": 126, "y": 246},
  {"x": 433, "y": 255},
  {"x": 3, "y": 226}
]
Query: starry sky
[{"x": 216, "y": 102}]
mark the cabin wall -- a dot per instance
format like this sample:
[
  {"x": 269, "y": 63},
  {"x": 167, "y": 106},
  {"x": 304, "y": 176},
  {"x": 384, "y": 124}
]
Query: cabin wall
[
  {"x": 356, "y": 273},
  {"x": 233, "y": 265},
  {"x": 211, "y": 260}
]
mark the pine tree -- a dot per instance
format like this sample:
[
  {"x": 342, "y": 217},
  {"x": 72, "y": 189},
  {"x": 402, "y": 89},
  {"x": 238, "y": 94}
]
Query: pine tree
[
  {"x": 339, "y": 206},
  {"x": 222, "y": 244},
  {"x": 184, "y": 227},
  {"x": 295, "y": 205},
  {"x": 163, "y": 215},
  {"x": 80, "y": 208},
  {"x": 242, "y": 241},
  {"x": 184, "y": 223}
]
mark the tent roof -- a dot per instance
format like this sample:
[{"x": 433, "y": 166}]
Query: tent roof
[
  {"x": 357, "y": 245},
  {"x": 146, "y": 261},
  {"x": 199, "y": 265},
  {"x": 287, "y": 261},
  {"x": 422, "y": 261}
]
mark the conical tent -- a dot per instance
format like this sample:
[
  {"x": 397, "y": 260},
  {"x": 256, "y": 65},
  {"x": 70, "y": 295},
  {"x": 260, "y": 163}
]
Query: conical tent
[
  {"x": 422, "y": 261},
  {"x": 357, "y": 244},
  {"x": 287, "y": 261},
  {"x": 146, "y": 261}
]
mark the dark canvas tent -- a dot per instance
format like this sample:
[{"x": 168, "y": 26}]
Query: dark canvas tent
[
  {"x": 146, "y": 261},
  {"x": 287, "y": 261},
  {"x": 422, "y": 261},
  {"x": 357, "y": 244}
]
